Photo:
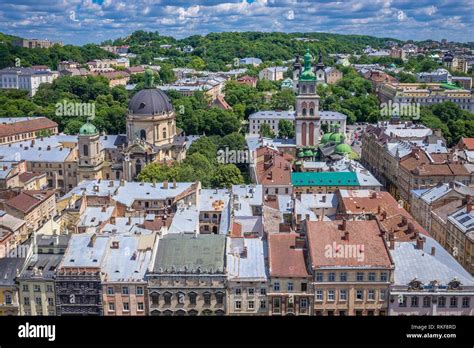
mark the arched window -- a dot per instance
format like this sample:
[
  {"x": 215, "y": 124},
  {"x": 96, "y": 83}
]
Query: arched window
[
  {"x": 164, "y": 133},
  {"x": 138, "y": 167},
  {"x": 303, "y": 89},
  {"x": 143, "y": 134},
  {"x": 311, "y": 112},
  {"x": 303, "y": 134},
  {"x": 85, "y": 150},
  {"x": 311, "y": 134}
]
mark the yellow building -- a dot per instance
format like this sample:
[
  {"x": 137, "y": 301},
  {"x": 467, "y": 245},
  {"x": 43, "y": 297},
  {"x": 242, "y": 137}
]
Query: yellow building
[{"x": 9, "y": 269}]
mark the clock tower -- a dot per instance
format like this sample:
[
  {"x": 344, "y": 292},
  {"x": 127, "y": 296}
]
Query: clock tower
[{"x": 307, "y": 120}]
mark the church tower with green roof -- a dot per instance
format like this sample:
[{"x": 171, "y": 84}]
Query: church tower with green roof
[
  {"x": 90, "y": 152},
  {"x": 307, "y": 120}
]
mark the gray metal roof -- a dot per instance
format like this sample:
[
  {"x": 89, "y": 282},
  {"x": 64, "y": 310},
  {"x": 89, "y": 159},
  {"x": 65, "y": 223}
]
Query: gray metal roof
[
  {"x": 413, "y": 263},
  {"x": 183, "y": 253},
  {"x": 150, "y": 102},
  {"x": 9, "y": 269},
  {"x": 246, "y": 259}
]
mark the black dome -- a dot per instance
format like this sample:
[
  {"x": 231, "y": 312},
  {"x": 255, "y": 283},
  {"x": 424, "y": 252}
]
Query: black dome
[{"x": 150, "y": 102}]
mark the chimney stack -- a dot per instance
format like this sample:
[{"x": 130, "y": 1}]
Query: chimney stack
[
  {"x": 299, "y": 243},
  {"x": 165, "y": 184},
  {"x": 346, "y": 236},
  {"x": 433, "y": 251},
  {"x": 174, "y": 183},
  {"x": 420, "y": 242},
  {"x": 343, "y": 226}
]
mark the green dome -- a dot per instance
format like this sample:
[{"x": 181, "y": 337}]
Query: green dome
[
  {"x": 301, "y": 154},
  {"x": 307, "y": 74},
  {"x": 337, "y": 137},
  {"x": 325, "y": 138},
  {"x": 88, "y": 129},
  {"x": 308, "y": 153},
  {"x": 343, "y": 149}
]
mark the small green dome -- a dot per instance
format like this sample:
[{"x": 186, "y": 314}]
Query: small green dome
[
  {"x": 308, "y": 153},
  {"x": 88, "y": 129},
  {"x": 337, "y": 137},
  {"x": 300, "y": 154},
  {"x": 343, "y": 149},
  {"x": 325, "y": 138}
]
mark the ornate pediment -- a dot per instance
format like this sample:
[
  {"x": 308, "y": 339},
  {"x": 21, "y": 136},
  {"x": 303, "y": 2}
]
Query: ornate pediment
[
  {"x": 415, "y": 284},
  {"x": 454, "y": 284}
]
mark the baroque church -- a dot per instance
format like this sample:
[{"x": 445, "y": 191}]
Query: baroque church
[{"x": 151, "y": 136}]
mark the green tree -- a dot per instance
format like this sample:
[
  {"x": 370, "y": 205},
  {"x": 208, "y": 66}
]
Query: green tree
[
  {"x": 266, "y": 131},
  {"x": 286, "y": 129},
  {"x": 226, "y": 175}
]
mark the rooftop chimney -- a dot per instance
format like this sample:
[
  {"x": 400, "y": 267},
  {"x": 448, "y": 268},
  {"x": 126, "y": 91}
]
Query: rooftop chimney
[
  {"x": 299, "y": 243},
  {"x": 346, "y": 236},
  {"x": 174, "y": 183},
  {"x": 343, "y": 226},
  {"x": 374, "y": 195},
  {"x": 165, "y": 184},
  {"x": 433, "y": 251},
  {"x": 420, "y": 242}
]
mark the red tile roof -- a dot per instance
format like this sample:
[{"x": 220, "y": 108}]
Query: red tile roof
[
  {"x": 272, "y": 168},
  {"x": 468, "y": 143},
  {"x": 26, "y": 201},
  {"x": 286, "y": 260},
  {"x": 365, "y": 247},
  {"x": 381, "y": 204},
  {"x": 27, "y": 126},
  {"x": 28, "y": 176}
]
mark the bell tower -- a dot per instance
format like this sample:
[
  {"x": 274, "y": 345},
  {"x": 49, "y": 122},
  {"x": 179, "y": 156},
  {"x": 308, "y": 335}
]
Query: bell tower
[{"x": 307, "y": 120}]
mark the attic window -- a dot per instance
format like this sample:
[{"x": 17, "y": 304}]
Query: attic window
[
  {"x": 71, "y": 260},
  {"x": 95, "y": 260},
  {"x": 142, "y": 105}
]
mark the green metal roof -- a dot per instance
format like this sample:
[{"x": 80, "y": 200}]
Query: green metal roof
[
  {"x": 308, "y": 153},
  {"x": 301, "y": 154},
  {"x": 88, "y": 129},
  {"x": 343, "y": 148},
  {"x": 324, "y": 179},
  {"x": 185, "y": 253},
  {"x": 307, "y": 74},
  {"x": 337, "y": 137}
]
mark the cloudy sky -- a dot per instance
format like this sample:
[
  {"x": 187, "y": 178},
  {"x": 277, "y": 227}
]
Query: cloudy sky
[{"x": 83, "y": 21}]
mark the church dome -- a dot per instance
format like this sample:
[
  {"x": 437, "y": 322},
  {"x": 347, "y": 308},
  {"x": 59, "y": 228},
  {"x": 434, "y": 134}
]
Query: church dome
[
  {"x": 325, "y": 138},
  {"x": 336, "y": 137},
  {"x": 88, "y": 129},
  {"x": 150, "y": 102},
  {"x": 343, "y": 149}
]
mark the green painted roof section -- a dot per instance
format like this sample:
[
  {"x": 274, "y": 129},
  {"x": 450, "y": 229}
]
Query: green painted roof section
[
  {"x": 324, "y": 179},
  {"x": 325, "y": 138},
  {"x": 450, "y": 86},
  {"x": 337, "y": 137},
  {"x": 185, "y": 253},
  {"x": 88, "y": 129},
  {"x": 301, "y": 154},
  {"x": 308, "y": 153},
  {"x": 343, "y": 148},
  {"x": 307, "y": 74}
]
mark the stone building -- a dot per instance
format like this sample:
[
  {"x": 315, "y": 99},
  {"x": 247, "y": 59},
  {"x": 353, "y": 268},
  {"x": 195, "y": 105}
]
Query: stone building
[
  {"x": 78, "y": 277},
  {"x": 290, "y": 291},
  {"x": 351, "y": 266},
  {"x": 188, "y": 275},
  {"x": 125, "y": 289},
  {"x": 37, "y": 295},
  {"x": 247, "y": 276}
]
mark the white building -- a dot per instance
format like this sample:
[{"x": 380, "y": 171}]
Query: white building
[
  {"x": 25, "y": 78},
  {"x": 274, "y": 73},
  {"x": 334, "y": 120}
]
